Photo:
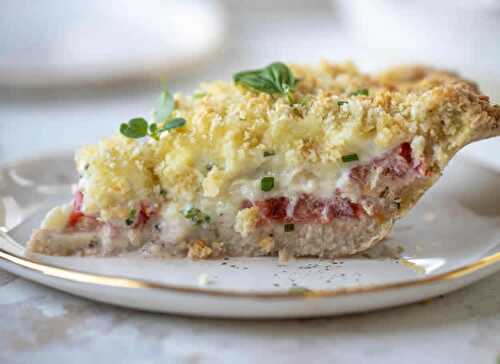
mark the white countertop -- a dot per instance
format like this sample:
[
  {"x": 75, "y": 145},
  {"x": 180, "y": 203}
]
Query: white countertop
[{"x": 463, "y": 327}]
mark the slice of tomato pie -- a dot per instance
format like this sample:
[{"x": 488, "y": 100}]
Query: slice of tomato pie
[{"x": 295, "y": 161}]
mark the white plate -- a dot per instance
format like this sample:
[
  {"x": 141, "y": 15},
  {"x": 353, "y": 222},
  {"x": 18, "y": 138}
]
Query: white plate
[
  {"x": 63, "y": 43},
  {"x": 451, "y": 239}
]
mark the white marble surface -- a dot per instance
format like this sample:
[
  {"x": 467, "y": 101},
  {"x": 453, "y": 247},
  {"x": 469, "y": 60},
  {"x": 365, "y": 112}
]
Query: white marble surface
[
  {"x": 40, "y": 325},
  {"x": 52, "y": 327}
]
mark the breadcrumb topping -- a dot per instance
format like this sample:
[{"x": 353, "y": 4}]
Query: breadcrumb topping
[
  {"x": 230, "y": 127},
  {"x": 246, "y": 221},
  {"x": 199, "y": 250}
]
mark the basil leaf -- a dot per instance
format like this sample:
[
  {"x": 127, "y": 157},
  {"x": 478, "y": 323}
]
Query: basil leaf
[
  {"x": 273, "y": 79},
  {"x": 172, "y": 124},
  {"x": 164, "y": 106},
  {"x": 281, "y": 76},
  {"x": 255, "y": 80},
  {"x": 135, "y": 128}
]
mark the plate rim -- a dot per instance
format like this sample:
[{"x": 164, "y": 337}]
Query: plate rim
[
  {"x": 74, "y": 275},
  {"x": 105, "y": 280}
]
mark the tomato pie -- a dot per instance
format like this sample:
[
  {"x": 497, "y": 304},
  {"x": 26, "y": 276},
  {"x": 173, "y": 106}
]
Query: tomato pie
[{"x": 285, "y": 160}]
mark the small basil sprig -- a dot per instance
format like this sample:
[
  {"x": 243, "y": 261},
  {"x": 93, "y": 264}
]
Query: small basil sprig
[
  {"x": 139, "y": 128},
  {"x": 273, "y": 79}
]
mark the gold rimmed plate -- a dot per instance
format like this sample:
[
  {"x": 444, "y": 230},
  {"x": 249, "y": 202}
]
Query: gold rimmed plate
[{"x": 448, "y": 241}]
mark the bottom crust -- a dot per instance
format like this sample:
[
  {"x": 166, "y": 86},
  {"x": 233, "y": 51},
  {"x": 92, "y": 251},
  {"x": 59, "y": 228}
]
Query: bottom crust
[{"x": 341, "y": 237}]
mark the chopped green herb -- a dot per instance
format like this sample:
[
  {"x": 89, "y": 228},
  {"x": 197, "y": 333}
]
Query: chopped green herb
[
  {"x": 86, "y": 166},
  {"x": 340, "y": 103},
  {"x": 163, "y": 192},
  {"x": 209, "y": 166},
  {"x": 269, "y": 153},
  {"x": 267, "y": 184},
  {"x": 289, "y": 227},
  {"x": 298, "y": 290},
  {"x": 350, "y": 158},
  {"x": 131, "y": 217},
  {"x": 276, "y": 78},
  {"x": 197, "y": 216},
  {"x": 360, "y": 92}
]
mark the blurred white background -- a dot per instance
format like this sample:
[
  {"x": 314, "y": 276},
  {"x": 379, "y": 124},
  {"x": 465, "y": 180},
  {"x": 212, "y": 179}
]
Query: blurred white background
[{"x": 71, "y": 72}]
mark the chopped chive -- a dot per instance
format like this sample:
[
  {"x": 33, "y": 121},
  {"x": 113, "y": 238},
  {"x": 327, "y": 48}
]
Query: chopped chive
[
  {"x": 269, "y": 153},
  {"x": 360, "y": 92},
  {"x": 163, "y": 192},
  {"x": 350, "y": 158},
  {"x": 197, "y": 216},
  {"x": 131, "y": 217},
  {"x": 289, "y": 227},
  {"x": 267, "y": 184},
  {"x": 340, "y": 103}
]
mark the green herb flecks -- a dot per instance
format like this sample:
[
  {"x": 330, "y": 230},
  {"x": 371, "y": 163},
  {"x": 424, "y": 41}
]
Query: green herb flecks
[
  {"x": 267, "y": 184},
  {"x": 196, "y": 216},
  {"x": 276, "y": 78},
  {"x": 340, "y": 103},
  {"x": 269, "y": 153},
  {"x": 139, "y": 127},
  {"x": 360, "y": 92},
  {"x": 131, "y": 217},
  {"x": 289, "y": 227},
  {"x": 350, "y": 158}
]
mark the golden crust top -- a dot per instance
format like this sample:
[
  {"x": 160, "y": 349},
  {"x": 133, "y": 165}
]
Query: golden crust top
[{"x": 231, "y": 127}]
